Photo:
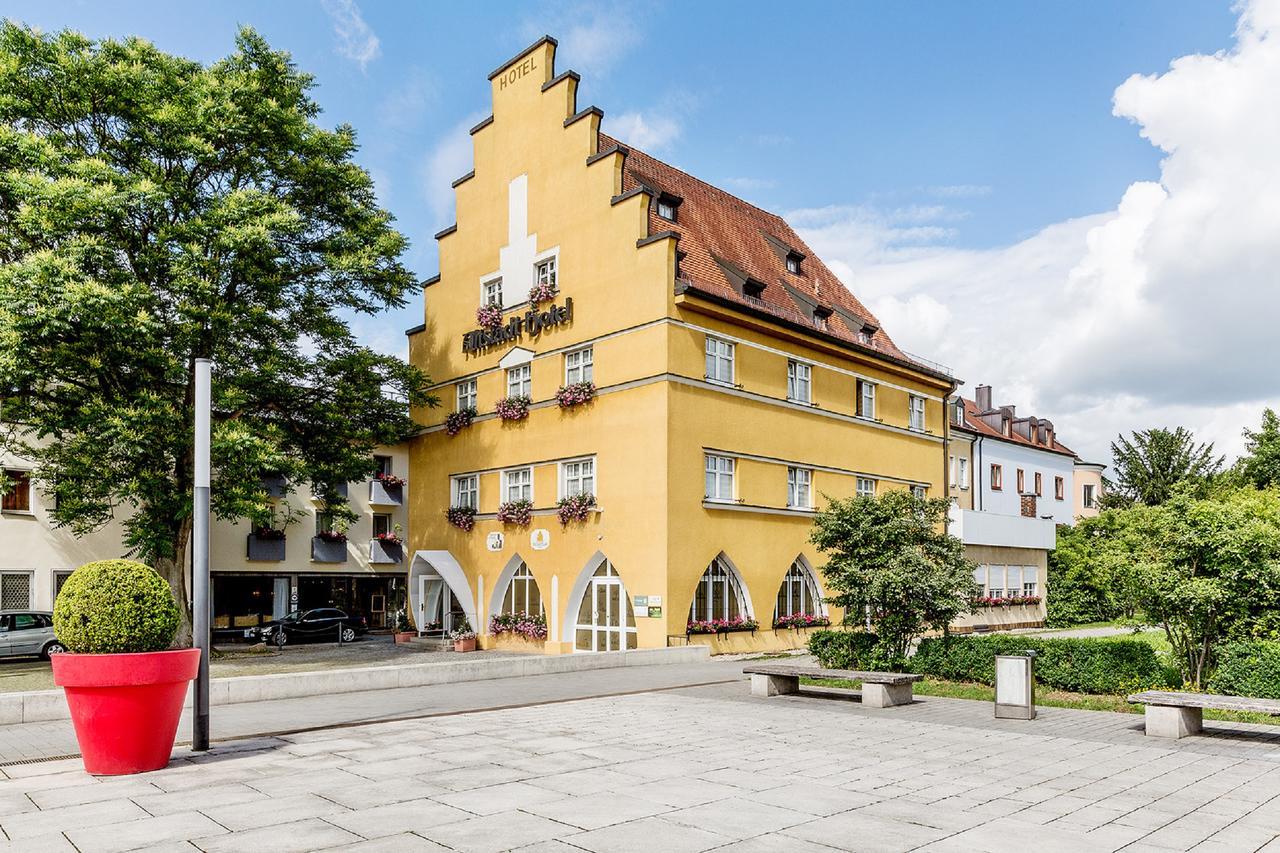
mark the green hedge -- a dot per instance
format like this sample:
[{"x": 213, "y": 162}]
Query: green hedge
[
  {"x": 1248, "y": 669},
  {"x": 1080, "y": 665},
  {"x": 843, "y": 649},
  {"x": 115, "y": 606}
]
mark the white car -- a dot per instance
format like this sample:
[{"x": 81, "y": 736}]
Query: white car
[{"x": 28, "y": 633}]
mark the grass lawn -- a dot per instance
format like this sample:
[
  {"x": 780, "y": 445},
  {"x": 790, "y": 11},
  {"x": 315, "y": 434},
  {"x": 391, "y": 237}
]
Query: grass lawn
[{"x": 1044, "y": 696}]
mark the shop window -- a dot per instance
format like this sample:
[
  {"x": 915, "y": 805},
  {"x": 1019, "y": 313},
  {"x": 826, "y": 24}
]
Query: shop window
[{"x": 522, "y": 595}]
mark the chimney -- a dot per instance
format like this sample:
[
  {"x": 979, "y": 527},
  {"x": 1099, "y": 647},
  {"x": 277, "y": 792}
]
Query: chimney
[
  {"x": 1028, "y": 506},
  {"x": 982, "y": 396}
]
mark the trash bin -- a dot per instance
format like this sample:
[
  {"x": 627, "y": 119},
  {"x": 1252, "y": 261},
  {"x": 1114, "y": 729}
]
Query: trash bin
[{"x": 1016, "y": 686}]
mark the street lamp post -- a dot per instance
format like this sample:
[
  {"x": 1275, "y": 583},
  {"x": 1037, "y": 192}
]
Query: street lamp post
[{"x": 200, "y": 554}]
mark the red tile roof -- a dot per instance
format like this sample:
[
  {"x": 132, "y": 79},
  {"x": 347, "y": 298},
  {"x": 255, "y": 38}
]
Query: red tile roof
[
  {"x": 973, "y": 423},
  {"x": 724, "y": 239}
]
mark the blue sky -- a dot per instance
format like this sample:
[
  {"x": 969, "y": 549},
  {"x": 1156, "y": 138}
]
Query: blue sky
[{"x": 925, "y": 129}]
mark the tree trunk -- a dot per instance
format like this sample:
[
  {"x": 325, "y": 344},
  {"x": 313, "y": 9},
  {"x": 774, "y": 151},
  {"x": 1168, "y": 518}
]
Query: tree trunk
[{"x": 175, "y": 571}]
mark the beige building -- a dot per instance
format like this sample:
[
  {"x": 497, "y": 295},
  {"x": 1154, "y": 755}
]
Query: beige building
[
  {"x": 257, "y": 576},
  {"x": 1088, "y": 490}
]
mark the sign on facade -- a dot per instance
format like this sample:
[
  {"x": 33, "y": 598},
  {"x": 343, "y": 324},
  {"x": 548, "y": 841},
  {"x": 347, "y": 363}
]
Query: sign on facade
[
  {"x": 540, "y": 539},
  {"x": 494, "y": 542}
]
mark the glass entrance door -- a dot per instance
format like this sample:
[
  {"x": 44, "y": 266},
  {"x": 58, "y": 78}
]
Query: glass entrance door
[
  {"x": 439, "y": 609},
  {"x": 606, "y": 622}
]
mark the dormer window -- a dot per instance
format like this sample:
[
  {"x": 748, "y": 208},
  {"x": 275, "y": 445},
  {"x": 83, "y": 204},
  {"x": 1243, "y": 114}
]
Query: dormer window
[
  {"x": 753, "y": 288},
  {"x": 793, "y": 263},
  {"x": 820, "y": 316},
  {"x": 667, "y": 206}
]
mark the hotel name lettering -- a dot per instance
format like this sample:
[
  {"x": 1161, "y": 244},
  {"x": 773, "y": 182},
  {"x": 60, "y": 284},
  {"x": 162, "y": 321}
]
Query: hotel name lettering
[
  {"x": 531, "y": 323},
  {"x": 522, "y": 70}
]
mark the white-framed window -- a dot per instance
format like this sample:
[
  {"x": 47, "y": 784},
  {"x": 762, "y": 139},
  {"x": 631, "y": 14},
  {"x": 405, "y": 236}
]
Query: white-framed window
[
  {"x": 793, "y": 263},
  {"x": 520, "y": 381},
  {"x": 719, "y": 479},
  {"x": 18, "y": 496},
  {"x": 1006, "y": 581},
  {"x": 15, "y": 590},
  {"x": 491, "y": 292},
  {"x": 466, "y": 491},
  {"x": 964, "y": 472},
  {"x": 577, "y": 477},
  {"x": 522, "y": 595},
  {"x": 799, "y": 382},
  {"x": 517, "y": 485},
  {"x": 1089, "y": 498},
  {"x": 866, "y": 399},
  {"x": 719, "y": 361},
  {"x": 917, "y": 413},
  {"x": 579, "y": 366},
  {"x": 919, "y": 491},
  {"x": 544, "y": 272},
  {"x": 719, "y": 595},
  {"x": 952, "y": 479},
  {"x": 866, "y": 487},
  {"x": 800, "y": 488},
  {"x": 59, "y": 578},
  {"x": 798, "y": 592},
  {"x": 667, "y": 208},
  {"x": 466, "y": 394},
  {"x": 1029, "y": 574},
  {"x": 1059, "y": 488}
]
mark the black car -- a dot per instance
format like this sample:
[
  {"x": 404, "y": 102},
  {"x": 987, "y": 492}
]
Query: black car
[{"x": 324, "y": 624}]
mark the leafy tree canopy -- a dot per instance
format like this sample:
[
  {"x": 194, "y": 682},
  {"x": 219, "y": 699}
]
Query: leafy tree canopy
[
  {"x": 1152, "y": 462},
  {"x": 154, "y": 211},
  {"x": 1260, "y": 466},
  {"x": 890, "y": 556}
]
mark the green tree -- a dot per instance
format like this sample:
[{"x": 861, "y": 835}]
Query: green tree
[
  {"x": 1260, "y": 466},
  {"x": 154, "y": 211},
  {"x": 1152, "y": 462},
  {"x": 890, "y": 557},
  {"x": 1090, "y": 574}
]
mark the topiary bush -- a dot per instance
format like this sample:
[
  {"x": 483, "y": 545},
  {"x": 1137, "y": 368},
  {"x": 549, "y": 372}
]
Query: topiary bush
[
  {"x": 1248, "y": 669},
  {"x": 115, "y": 606},
  {"x": 1081, "y": 665},
  {"x": 843, "y": 649}
]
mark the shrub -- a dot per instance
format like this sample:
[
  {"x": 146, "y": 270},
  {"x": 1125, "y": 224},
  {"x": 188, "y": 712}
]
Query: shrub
[
  {"x": 1248, "y": 669},
  {"x": 1081, "y": 665},
  {"x": 843, "y": 649},
  {"x": 115, "y": 606}
]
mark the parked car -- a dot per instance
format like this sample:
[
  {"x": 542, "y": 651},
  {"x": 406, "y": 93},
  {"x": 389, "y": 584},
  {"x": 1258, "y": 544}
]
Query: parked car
[
  {"x": 28, "y": 632},
  {"x": 303, "y": 626}
]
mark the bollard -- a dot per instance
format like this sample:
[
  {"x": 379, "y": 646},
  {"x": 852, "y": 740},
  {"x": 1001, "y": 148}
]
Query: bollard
[{"x": 1016, "y": 686}]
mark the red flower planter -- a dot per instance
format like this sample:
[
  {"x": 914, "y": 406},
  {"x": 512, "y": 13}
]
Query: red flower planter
[{"x": 125, "y": 707}]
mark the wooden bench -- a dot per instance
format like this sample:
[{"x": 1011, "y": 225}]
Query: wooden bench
[
  {"x": 879, "y": 689},
  {"x": 1177, "y": 715}
]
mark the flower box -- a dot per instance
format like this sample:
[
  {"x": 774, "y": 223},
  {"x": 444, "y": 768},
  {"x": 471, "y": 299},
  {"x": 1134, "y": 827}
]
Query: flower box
[
  {"x": 329, "y": 550},
  {"x": 1006, "y": 601},
  {"x": 802, "y": 620},
  {"x": 575, "y": 508},
  {"x": 513, "y": 408},
  {"x": 457, "y": 421},
  {"x": 489, "y": 316},
  {"x": 383, "y": 493},
  {"x": 515, "y": 512},
  {"x": 721, "y": 626},
  {"x": 542, "y": 292},
  {"x": 532, "y": 627},
  {"x": 386, "y": 551},
  {"x": 461, "y": 517},
  {"x": 575, "y": 394},
  {"x": 265, "y": 545}
]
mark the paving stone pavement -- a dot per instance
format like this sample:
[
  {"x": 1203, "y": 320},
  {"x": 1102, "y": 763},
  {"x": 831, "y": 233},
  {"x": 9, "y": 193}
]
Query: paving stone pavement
[{"x": 691, "y": 769}]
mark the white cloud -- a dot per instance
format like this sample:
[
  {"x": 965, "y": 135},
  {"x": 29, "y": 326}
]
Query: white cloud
[
  {"x": 959, "y": 190},
  {"x": 408, "y": 103},
  {"x": 356, "y": 40},
  {"x": 648, "y": 131},
  {"x": 449, "y": 159},
  {"x": 591, "y": 38},
  {"x": 1159, "y": 312}
]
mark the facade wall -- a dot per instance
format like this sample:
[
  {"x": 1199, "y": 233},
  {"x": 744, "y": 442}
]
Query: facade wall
[
  {"x": 960, "y": 474},
  {"x": 1018, "y": 616},
  {"x": 1088, "y": 479},
  {"x": 1006, "y": 501}
]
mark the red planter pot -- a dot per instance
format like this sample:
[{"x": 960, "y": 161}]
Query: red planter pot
[{"x": 125, "y": 707}]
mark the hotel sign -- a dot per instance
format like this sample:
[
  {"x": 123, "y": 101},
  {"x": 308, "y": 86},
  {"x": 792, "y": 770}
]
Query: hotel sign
[{"x": 531, "y": 323}]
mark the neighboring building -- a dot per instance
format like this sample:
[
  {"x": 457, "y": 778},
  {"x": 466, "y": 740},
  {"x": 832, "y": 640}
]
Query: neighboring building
[
  {"x": 736, "y": 382},
  {"x": 254, "y": 579},
  {"x": 1088, "y": 491}
]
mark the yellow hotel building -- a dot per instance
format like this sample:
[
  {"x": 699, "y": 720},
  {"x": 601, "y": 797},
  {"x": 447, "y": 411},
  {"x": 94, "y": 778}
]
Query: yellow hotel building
[{"x": 736, "y": 383}]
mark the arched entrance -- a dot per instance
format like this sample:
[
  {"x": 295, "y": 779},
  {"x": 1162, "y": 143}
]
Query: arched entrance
[
  {"x": 603, "y": 620},
  {"x": 439, "y": 593}
]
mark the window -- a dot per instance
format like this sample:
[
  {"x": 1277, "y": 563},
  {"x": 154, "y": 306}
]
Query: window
[
  {"x": 383, "y": 464},
  {"x": 719, "y": 361},
  {"x": 15, "y": 590},
  {"x": 667, "y": 206},
  {"x": 1059, "y": 487},
  {"x": 545, "y": 272},
  {"x": 1022, "y": 482},
  {"x": 917, "y": 413},
  {"x": 798, "y": 593},
  {"x": 919, "y": 491},
  {"x": 519, "y": 381},
  {"x": 491, "y": 292},
  {"x": 793, "y": 263},
  {"x": 799, "y": 386},
  {"x": 719, "y": 594},
  {"x": 466, "y": 491},
  {"x": 753, "y": 288},
  {"x": 522, "y": 595},
  {"x": 719, "y": 481},
  {"x": 820, "y": 320},
  {"x": 799, "y": 488},
  {"x": 466, "y": 395},
  {"x": 18, "y": 497},
  {"x": 382, "y": 524},
  {"x": 579, "y": 366},
  {"x": 866, "y": 399},
  {"x": 518, "y": 485},
  {"x": 866, "y": 487},
  {"x": 997, "y": 478},
  {"x": 1038, "y": 484},
  {"x": 952, "y": 468},
  {"x": 59, "y": 578},
  {"x": 1013, "y": 580},
  {"x": 1005, "y": 581},
  {"x": 324, "y": 523},
  {"x": 1089, "y": 498},
  {"x": 578, "y": 478},
  {"x": 1028, "y": 580},
  {"x": 964, "y": 472}
]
